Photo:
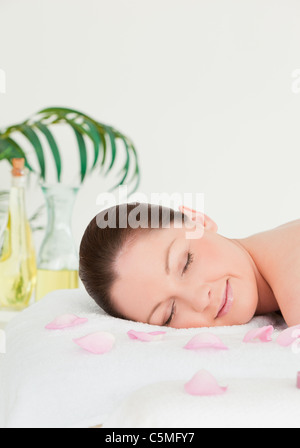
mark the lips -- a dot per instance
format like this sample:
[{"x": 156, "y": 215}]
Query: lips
[{"x": 227, "y": 300}]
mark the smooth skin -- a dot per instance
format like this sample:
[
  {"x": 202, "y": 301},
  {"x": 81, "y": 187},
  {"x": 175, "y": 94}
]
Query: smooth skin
[{"x": 165, "y": 278}]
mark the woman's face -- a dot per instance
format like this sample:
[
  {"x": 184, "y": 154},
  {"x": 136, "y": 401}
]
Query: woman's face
[{"x": 164, "y": 278}]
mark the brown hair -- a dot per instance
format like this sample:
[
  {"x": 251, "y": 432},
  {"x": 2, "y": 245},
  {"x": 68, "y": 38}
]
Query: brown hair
[{"x": 100, "y": 245}]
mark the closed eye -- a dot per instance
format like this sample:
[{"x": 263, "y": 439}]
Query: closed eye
[
  {"x": 171, "y": 315},
  {"x": 190, "y": 259}
]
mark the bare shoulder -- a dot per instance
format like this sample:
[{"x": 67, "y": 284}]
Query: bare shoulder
[
  {"x": 286, "y": 238},
  {"x": 276, "y": 253},
  {"x": 285, "y": 269},
  {"x": 282, "y": 238},
  {"x": 292, "y": 225},
  {"x": 277, "y": 245}
]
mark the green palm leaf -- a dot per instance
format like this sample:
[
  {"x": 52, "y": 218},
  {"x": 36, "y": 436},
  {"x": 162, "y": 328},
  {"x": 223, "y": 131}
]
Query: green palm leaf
[
  {"x": 102, "y": 136},
  {"x": 82, "y": 152},
  {"x": 95, "y": 138},
  {"x": 111, "y": 136},
  {"x": 9, "y": 149},
  {"x": 53, "y": 146},
  {"x": 30, "y": 134}
]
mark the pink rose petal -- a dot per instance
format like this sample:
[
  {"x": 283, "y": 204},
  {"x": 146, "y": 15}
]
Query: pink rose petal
[
  {"x": 65, "y": 321},
  {"x": 288, "y": 336},
  {"x": 204, "y": 383},
  {"x": 264, "y": 334},
  {"x": 205, "y": 340},
  {"x": 146, "y": 337},
  {"x": 96, "y": 343}
]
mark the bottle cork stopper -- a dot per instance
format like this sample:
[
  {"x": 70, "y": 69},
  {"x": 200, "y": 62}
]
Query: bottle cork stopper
[{"x": 18, "y": 167}]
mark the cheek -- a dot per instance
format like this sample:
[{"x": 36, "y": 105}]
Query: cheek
[
  {"x": 218, "y": 258},
  {"x": 221, "y": 257},
  {"x": 245, "y": 299},
  {"x": 214, "y": 258}
]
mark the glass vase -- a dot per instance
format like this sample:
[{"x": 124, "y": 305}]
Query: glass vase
[{"x": 58, "y": 260}]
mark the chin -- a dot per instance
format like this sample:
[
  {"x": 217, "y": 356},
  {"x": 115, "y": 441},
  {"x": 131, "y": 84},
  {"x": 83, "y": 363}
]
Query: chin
[
  {"x": 244, "y": 311},
  {"x": 240, "y": 317},
  {"x": 246, "y": 317}
]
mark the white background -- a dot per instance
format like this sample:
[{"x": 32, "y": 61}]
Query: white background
[{"x": 203, "y": 87}]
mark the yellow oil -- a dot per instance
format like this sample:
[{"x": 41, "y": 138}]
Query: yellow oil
[
  {"x": 48, "y": 281},
  {"x": 17, "y": 262}
]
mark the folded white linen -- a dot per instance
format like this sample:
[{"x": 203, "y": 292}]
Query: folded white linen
[
  {"x": 46, "y": 380},
  {"x": 248, "y": 403}
]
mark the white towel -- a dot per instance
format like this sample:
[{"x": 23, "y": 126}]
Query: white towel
[
  {"x": 247, "y": 403},
  {"x": 48, "y": 381}
]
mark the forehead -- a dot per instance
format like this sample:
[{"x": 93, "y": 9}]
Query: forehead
[
  {"x": 144, "y": 248},
  {"x": 145, "y": 252}
]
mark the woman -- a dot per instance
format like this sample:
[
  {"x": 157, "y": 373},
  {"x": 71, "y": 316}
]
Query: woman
[{"x": 162, "y": 276}]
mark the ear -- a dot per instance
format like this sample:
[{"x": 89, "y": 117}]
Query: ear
[{"x": 195, "y": 216}]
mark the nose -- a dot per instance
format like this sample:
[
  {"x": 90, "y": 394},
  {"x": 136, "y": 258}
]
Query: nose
[{"x": 198, "y": 299}]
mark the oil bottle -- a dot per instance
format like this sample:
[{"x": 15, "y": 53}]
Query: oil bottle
[{"x": 18, "y": 270}]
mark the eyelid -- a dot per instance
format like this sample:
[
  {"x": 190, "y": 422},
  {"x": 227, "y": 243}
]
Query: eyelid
[
  {"x": 171, "y": 316},
  {"x": 190, "y": 259}
]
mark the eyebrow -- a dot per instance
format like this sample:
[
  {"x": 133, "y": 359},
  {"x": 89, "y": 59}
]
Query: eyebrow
[{"x": 167, "y": 269}]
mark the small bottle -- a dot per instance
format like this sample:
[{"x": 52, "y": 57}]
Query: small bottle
[{"x": 17, "y": 255}]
